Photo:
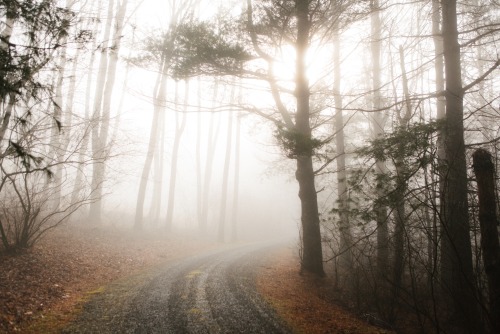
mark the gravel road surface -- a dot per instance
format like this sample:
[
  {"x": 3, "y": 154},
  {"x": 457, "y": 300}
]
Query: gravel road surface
[{"x": 210, "y": 293}]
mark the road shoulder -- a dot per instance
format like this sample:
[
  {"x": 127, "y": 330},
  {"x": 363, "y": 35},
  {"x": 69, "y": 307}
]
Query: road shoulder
[{"x": 303, "y": 301}]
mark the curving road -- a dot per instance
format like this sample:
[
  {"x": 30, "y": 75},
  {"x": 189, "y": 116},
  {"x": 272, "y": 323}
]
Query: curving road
[{"x": 209, "y": 293}]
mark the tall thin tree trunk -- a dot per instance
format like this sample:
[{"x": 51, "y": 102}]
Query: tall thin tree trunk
[
  {"x": 209, "y": 161},
  {"x": 225, "y": 173},
  {"x": 179, "y": 130},
  {"x": 105, "y": 108},
  {"x": 237, "y": 145},
  {"x": 401, "y": 188},
  {"x": 159, "y": 96},
  {"x": 456, "y": 253},
  {"x": 344, "y": 226},
  {"x": 440, "y": 115},
  {"x": 158, "y": 160},
  {"x": 312, "y": 256},
  {"x": 56, "y": 142},
  {"x": 378, "y": 129},
  {"x": 97, "y": 145},
  {"x": 234, "y": 216},
  {"x": 78, "y": 186},
  {"x": 199, "y": 179}
]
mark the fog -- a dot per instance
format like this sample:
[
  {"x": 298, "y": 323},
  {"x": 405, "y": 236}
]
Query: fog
[
  {"x": 349, "y": 126},
  {"x": 267, "y": 196}
]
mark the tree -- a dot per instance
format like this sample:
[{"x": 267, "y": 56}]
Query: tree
[
  {"x": 27, "y": 202},
  {"x": 225, "y": 174},
  {"x": 343, "y": 196},
  {"x": 159, "y": 96},
  {"x": 39, "y": 29},
  {"x": 237, "y": 148},
  {"x": 206, "y": 51},
  {"x": 312, "y": 257},
  {"x": 159, "y": 51},
  {"x": 33, "y": 33},
  {"x": 485, "y": 171},
  {"x": 378, "y": 122},
  {"x": 180, "y": 125},
  {"x": 212, "y": 135},
  {"x": 456, "y": 254}
]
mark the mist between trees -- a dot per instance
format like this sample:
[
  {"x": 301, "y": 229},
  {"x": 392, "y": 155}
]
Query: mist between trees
[{"x": 213, "y": 119}]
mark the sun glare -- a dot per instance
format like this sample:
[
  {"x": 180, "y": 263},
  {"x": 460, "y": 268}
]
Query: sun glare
[{"x": 319, "y": 64}]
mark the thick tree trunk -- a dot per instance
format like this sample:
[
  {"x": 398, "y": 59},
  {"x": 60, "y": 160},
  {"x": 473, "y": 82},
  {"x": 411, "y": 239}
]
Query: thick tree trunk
[
  {"x": 312, "y": 256},
  {"x": 485, "y": 177},
  {"x": 456, "y": 253}
]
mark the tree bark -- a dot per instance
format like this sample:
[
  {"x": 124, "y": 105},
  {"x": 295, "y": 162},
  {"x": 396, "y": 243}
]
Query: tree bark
[
  {"x": 312, "y": 256},
  {"x": 456, "y": 253},
  {"x": 485, "y": 177}
]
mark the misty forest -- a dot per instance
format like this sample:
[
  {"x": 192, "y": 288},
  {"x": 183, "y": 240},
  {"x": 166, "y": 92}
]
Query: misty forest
[{"x": 363, "y": 136}]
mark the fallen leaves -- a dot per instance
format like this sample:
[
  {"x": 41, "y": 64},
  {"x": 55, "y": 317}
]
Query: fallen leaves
[
  {"x": 301, "y": 299},
  {"x": 46, "y": 283}
]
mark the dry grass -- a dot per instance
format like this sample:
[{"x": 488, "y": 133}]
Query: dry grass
[{"x": 304, "y": 301}]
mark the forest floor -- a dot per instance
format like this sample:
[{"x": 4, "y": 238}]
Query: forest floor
[{"x": 42, "y": 289}]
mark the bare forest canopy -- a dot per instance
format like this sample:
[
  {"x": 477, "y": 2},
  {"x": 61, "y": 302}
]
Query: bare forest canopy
[{"x": 211, "y": 116}]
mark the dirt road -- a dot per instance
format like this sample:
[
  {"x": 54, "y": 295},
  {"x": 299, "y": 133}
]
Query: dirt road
[{"x": 209, "y": 293}]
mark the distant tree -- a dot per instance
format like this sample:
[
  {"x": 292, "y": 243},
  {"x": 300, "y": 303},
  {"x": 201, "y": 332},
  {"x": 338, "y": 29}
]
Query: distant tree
[
  {"x": 159, "y": 97},
  {"x": 236, "y": 183},
  {"x": 108, "y": 62},
  {"x": 211, "y": 145},
  {"x": 225, "y": 174},
  {"x": 158, "y": 53},
  {"x": 180, "y": 125},
  {"x": 378, "y": 124}
]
